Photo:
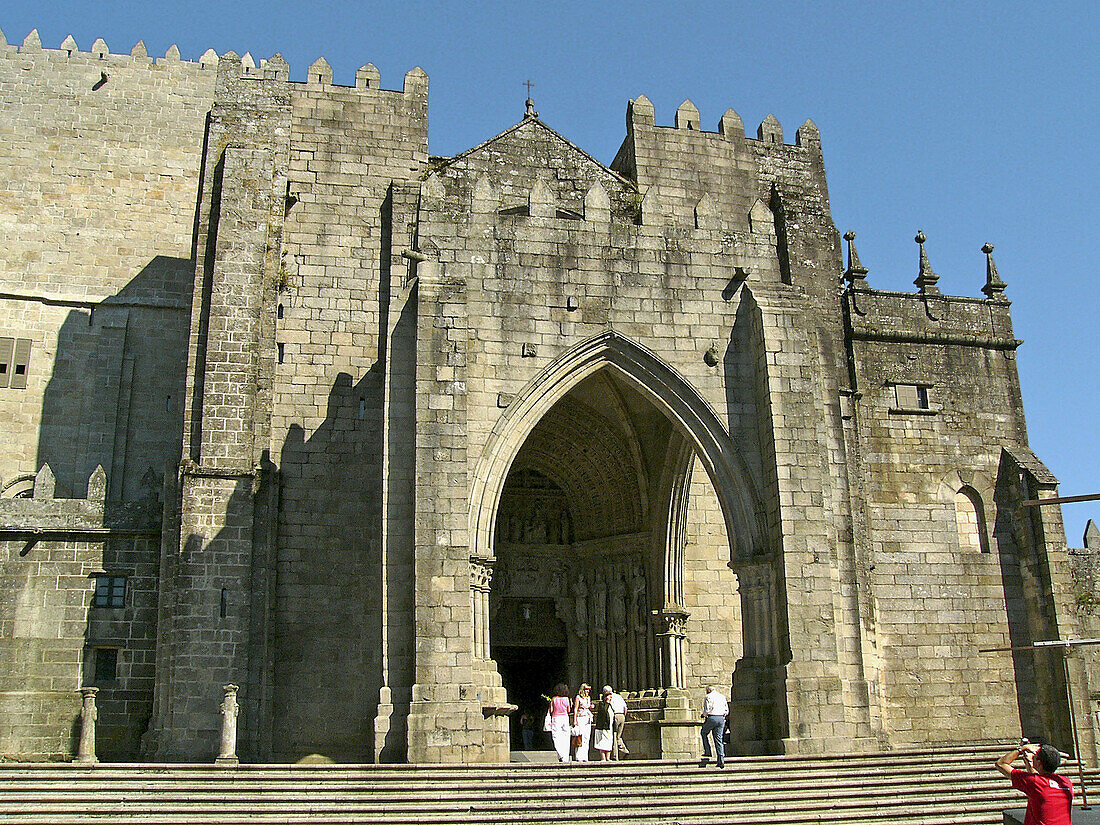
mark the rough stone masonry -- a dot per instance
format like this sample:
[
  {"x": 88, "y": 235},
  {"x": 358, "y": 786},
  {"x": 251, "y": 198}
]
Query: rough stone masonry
[{"x": 395, "y": 442}]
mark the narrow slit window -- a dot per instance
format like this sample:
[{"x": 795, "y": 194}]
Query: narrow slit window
[{"x": 21, "y": 360}]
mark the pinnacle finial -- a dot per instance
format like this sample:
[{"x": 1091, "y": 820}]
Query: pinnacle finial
[
  {"x": 926, "y": 278},
  {"x": 529, "y": 104},
  {"x": 856, "y": 273},
  {"x": 994, "y": 288}
]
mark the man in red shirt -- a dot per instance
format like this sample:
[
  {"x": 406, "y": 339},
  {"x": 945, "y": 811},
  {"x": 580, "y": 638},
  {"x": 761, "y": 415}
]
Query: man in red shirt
[{"x": 1049, "y": 795}]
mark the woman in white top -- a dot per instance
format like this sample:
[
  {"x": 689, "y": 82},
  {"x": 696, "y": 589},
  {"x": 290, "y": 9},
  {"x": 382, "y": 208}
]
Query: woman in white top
[{"x": 582, "y": 722}]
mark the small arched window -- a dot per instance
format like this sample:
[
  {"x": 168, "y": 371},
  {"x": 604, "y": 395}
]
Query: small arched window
[{"x": 970, "y": 521}]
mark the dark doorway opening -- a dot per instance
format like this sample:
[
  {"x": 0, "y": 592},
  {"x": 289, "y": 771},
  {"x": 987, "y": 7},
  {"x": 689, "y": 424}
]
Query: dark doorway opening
[{"x": 529, "y": 673}]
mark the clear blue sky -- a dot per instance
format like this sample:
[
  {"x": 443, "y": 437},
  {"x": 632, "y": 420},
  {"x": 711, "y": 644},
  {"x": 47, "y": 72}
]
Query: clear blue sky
[{"x": 972, "y": 121}]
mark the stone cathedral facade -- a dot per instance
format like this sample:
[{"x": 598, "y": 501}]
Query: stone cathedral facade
[{"x": 395, "y": 442}]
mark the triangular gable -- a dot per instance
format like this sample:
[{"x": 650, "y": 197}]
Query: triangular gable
[{"x": 531, "y": 123}]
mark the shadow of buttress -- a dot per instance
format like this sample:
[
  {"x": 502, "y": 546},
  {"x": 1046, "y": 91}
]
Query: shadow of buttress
[{"x": 113, "y": 398}]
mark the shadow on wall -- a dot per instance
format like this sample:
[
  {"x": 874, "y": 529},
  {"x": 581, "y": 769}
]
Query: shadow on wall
[
  {"x": 337, "y": 604},
  {"x": 115, "y": 395},
  {"x": 1026, "y": 582},
  {"x": 110, "y": 400}
]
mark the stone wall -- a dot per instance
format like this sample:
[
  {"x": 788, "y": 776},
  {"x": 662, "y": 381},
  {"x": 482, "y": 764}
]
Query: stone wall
[
  {"x": 335, "y": 397},
  {"x": 711, "y": 593},
  {"x": 938, "y": 599},
  {"x": 51, "y": 632},
  {"x": 103, "y": 153}
]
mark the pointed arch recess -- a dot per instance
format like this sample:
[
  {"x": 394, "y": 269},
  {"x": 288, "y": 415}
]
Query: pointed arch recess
[{"x": 665, "y": 388}]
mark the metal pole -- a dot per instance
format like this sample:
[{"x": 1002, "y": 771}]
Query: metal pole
[{"x": 1073, "y": 725}]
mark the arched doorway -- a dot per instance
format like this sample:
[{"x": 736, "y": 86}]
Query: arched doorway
[
  {"x": 570, "y": 599},
  {"x": 590, "y": 509}
]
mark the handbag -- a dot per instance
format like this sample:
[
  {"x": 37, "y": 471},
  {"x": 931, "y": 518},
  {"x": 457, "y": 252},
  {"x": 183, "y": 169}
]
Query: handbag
[
  {"x": 575, "y": 740},
  {"x": 548, "y": 722}
]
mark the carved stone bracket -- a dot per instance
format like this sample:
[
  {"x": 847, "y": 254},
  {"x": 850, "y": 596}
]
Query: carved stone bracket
[{"x": 481, "y": 574}]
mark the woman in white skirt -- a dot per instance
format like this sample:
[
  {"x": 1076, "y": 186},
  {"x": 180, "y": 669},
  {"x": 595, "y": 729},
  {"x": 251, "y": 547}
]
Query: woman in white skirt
[
  {"x": 559, "y": 721},
  {"x": 603, "y": 735}
]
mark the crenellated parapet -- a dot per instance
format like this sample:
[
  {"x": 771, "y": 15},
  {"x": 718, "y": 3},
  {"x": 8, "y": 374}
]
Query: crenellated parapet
[
  {"x": 44, "y": 516},
  {"x": 927, "y": 315},
  {"x": 319, "y": 74},
  {"x": 721, "y": 183},
  {"x": 100, "y": 55},
  {"x": 640, "y": 113}
]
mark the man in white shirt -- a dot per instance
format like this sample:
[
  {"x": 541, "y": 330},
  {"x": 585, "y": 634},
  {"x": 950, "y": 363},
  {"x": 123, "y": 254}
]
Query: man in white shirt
[
  {"x": 716, "y": 711},
  {"x": 618, "y": 705}
]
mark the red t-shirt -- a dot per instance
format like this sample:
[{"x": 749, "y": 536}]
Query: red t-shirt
[{"x": 1049, "y": 797}]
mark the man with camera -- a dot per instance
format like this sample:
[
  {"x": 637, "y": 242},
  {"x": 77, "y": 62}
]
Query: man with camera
[{"x": 1049, "y": 795}]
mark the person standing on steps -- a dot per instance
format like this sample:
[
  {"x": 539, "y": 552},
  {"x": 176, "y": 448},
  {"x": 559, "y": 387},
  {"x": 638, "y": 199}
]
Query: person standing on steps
[
  {"x": 618, "y": 705},
  {"x": 716, "y": 711},
  {"x": 582, "y": 723},
  {"x": 527, "y": 729},
  {"x": 559, "y": 721},
  {"x": 1049, "y": 794},
  {"x": 603, "y": 736}
]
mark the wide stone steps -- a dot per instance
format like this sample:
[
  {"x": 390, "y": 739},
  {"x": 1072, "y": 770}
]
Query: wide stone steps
[{"x": 918, "y": 787}]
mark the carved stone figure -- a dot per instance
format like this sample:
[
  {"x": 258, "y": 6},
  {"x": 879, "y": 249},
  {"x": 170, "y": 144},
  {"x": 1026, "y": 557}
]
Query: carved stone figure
[
  {"x": 580, "y": 606},
  {"x": 600, "y": 604},
  {"x": 618, "y": 603},
  {"x": 639, "y": 605}
]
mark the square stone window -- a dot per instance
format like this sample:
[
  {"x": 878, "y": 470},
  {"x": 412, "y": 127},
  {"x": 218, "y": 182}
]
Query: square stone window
[
  {"x": 912, "y": 398},
  {"x": 110, "y": 591}
]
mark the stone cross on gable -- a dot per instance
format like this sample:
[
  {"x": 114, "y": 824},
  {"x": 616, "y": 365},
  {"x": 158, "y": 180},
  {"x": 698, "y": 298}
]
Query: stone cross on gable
[{"x": 530, "y": 104}]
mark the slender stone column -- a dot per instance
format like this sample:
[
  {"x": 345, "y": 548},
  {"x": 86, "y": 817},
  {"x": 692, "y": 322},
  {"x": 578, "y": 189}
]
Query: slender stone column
[
  {"x": 679, "y": 724},
  {"x": 227, "y": 753},
  {"x": 481, "y": 577},
  {"x": 671, "y": 631},
  {"x": 86, "y": 749}
]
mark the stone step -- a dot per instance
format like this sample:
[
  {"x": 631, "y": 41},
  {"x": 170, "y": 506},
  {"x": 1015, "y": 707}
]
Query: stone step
[
  {"x": 900, "y": 764},
  {"x": 918, "y": 787}
]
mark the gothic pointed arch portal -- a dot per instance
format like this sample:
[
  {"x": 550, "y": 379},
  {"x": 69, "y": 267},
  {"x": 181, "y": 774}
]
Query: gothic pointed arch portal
[
  {"x": 580, "y": 504},
  {"x": 680, "y": 403}
]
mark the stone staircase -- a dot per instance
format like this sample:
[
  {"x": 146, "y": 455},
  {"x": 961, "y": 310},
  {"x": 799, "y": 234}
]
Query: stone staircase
[{"x": 921, "y": 787}]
